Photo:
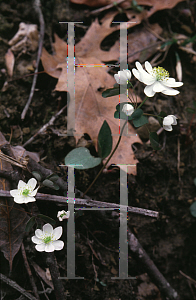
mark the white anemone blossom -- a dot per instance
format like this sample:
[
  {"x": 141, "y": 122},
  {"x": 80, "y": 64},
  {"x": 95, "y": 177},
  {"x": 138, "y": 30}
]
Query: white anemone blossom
[
  {"x": 157, "y": 80},
  {"x": 168, "y": 122},
  {"x": 123, "y": 76},
  {"x": 128, "y": 109},
  {"x": 63, "y": 215},
  {"x": 47, "y": 239},
  {"x": 25, "y": 192}
]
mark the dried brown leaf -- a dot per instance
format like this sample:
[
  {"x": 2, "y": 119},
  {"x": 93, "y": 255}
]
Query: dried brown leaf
[
  {"x": 9, "y": 62},
  {"x": 13, "y": 218}
]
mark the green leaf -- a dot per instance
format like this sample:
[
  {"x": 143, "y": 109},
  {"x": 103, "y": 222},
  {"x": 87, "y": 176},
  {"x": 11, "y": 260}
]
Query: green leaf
[
  {"x": 154, "y": 140},
  {"x": 194, "y": 181},
  {"x": 47, "y": 219},
  {"x": 81, "y": 158},
  {"x": 140, "y": 121},
  {"x": 53, "y": 177},
  {"x": 116, "y": 90},
  {"x": 194, "y": 104},
  {"x": 37, "y": 175},
  {"x": 193, "y": 209},
  {"x": 111, "y": 92},
  {"x": 104, "y": 140},
  {"x": 30, "y": 224},
  {"x": 137, "y": 114},
  {"x": 50, "y": 184}
]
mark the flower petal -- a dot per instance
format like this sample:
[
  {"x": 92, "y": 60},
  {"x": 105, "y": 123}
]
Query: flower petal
[
  {"x": 40, "y": 247},
  {"x": 36, "y": 240},
  {"x": 136, "y": 73},
  {"x": 57, "y": 232},
  {"x": 158, "y": 87},
  {"x": 148, "y": 67},
  {"x": 33, "y": 193},
  {"x": 167, "y": 127},
  {"x": 21, "y": 184},
  {"x": 19, "y": 199},
  {"x": 169, "y": 91},
  {"x": 168, "y": 120},
  {"x": 47, "y": 229},
  {"x": 149, "y": 91},
  {"x": 28, "y": 199},
  {"x": 58, "y": 245},
  {"x": 32, "y": 183},
  {"x": 39, "y": 233},
  {"x": 49, "y": 247},
  {"x": 14, "y": 193},
  {"x": 170, "y": 82},
  {"x": 117, "y": 78}
]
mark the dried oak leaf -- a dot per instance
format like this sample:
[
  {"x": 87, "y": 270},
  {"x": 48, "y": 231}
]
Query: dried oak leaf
[
  {"x": 91, "y": 109},
  {"x": 13, "y": 218}
]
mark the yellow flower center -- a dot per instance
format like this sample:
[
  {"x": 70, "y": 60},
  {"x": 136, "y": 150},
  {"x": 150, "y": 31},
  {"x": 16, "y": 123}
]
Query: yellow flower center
[
  {"x": 25, "y": 192},
  {"x": 160, "y": 73},
  {"x": 47, "y": 239}
]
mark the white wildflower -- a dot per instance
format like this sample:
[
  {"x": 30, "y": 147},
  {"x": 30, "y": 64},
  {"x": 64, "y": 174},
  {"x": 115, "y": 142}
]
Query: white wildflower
[
  {"x": 128, "y": 109},
  {"x": 25, "y": 192},
  {"x": 123, "y": 76},
  {"x": 168, "y": 122},
  {"x": 157, "y": 80},
  {"x": 63, "y": 215},
  {"x": 47, "y": 239}
]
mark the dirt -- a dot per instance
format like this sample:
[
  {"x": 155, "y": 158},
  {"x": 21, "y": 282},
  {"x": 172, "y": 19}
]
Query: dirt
[{"x": 160, "y": 184}]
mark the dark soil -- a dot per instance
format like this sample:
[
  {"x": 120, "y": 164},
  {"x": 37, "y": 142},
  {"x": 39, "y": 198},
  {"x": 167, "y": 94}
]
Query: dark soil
[{"x": 160, "y": 185}]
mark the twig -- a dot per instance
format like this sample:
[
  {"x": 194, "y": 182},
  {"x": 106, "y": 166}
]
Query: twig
[
  {"x": 37, "y": 8},
  {"x": 22, "y": 164},
  {"x": 96, "y": 11},
  {"x": 188, "y": 277},
  {"x": 89, "y": 202},
  {"x": 29, "y": 272},
  {"x": 54, "y": 271},
  {"x": 143, "y": 258},
  {"x": 17, "y": 287},
  {"x": 50, "y": 123}
]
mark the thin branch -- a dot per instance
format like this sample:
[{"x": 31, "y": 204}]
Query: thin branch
[
  {"x": 37, "y": 8},
  {"x": 89, "y": 202},
  {"x": 17, "y": 287},
  {"x": 41, "y": 130},
  {"x": 140, "y": 254},
  {"x": 29, "y": 272}
]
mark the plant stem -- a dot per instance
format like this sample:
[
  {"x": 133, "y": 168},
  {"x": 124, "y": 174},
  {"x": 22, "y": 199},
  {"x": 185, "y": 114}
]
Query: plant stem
[
  {"x": 142, "y": 102},
  {"x": 106, "y": 161}
]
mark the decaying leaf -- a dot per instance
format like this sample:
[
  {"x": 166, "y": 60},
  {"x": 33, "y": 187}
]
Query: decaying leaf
[
  {"x": 13, "y": 218},
  {"x": 26, "y": 39},
  {"x": 91, "y": 109},
  {"x": 9, "y": 62}
]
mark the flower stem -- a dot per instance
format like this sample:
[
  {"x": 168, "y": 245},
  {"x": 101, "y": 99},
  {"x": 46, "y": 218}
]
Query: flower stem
[
  {"x": 106, "y": 161},
  {"x": 142, "y": 102}
]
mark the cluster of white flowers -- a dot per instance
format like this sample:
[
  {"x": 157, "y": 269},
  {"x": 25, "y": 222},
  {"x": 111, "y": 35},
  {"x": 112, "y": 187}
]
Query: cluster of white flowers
[{"x": 157, "y": 81}]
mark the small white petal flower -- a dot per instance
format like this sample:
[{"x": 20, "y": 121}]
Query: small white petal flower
[
  {"x": 47, "y": 239},
  {"x": 128, "y": 109},
  {"x": 123, "y": 76},
  {"x": 157, "y": 80},
  {"x": 63, "y": 215},
  {"x": 168, "y": 122},
  {"x": 25, "y": 192}
]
